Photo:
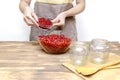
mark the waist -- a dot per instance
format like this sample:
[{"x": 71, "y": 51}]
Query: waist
[{"x": 55, "y": 1}]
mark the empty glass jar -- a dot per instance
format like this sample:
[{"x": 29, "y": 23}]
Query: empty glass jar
[
  {"x": 99, "y": 51},
  {"x": 78, "y": 53}
]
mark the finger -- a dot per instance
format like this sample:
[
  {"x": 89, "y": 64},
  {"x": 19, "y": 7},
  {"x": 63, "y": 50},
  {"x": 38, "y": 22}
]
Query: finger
[
  {"x": 29, "y": 23},
  {"x": 33, "y": 21},
  {"x": 61, "y": 23},
  {"x": 35, "y": 17}
]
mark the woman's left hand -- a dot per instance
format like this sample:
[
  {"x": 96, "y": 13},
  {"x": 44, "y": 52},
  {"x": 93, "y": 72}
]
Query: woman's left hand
[{"x": 59, "y": 20}]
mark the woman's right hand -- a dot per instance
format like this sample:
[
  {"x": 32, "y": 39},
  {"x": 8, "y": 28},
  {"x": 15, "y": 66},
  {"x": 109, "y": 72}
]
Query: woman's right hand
[{"x": 30, "y": 17}]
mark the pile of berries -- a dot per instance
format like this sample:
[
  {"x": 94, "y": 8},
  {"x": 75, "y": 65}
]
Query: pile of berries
[
  {"x": 54, "y": 43},
  {"x": 44, "y": 23}
]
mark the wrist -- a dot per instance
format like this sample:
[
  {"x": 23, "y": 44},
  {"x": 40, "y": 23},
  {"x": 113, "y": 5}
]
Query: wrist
[
  {"x": 25, "y": 9},
  {"x": 64, "y": 14}
]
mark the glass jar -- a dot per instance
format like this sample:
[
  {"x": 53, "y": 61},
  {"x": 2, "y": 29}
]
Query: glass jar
[
  {"x": 78, "y": 53},
  {"x": 99, "y": 51}
]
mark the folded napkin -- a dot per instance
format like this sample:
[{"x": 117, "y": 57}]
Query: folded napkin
[{"x": 90, "y": 69}]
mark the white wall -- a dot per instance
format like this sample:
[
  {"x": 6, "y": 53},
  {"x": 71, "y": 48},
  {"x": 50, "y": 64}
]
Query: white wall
[
  {"x": 12, "y": 26},
  {"x": 101, "y": 19}
]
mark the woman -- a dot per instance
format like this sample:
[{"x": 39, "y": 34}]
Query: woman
[{"x": 61, "y": 12}]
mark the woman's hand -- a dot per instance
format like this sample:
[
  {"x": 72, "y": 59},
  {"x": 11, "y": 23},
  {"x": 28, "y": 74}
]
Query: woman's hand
[
  {"x": 30, "y": 17},
  {"x": 59, "y": 20}
]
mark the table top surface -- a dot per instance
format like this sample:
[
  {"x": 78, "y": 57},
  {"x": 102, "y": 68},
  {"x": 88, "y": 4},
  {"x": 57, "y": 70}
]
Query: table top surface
[{"x": 25, "y": 60}]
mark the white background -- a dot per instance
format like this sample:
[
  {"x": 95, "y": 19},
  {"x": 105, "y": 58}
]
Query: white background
[{"x": 100, "y": 19}]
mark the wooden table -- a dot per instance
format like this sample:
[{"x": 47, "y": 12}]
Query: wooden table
[{"x": 26, "y": 61}]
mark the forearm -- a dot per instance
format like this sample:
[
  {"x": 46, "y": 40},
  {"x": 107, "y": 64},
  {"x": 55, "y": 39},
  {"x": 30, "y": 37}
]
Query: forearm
[
  {"x": 24, "y": 4},
  {"x": 78, "y": 8}
]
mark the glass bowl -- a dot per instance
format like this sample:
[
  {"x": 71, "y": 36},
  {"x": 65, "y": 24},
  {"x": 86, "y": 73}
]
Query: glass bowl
[{"x": 54, "y": 43}]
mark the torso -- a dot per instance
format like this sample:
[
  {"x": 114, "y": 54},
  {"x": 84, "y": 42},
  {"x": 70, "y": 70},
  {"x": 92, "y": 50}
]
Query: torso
[
  {"x": 49, "y": 9},
  {"x": 55, "y": 1}
]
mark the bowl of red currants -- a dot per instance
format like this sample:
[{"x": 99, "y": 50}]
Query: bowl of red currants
[
  {"x": 45, "y": 23},
  {"x": 54, "y": 43}
]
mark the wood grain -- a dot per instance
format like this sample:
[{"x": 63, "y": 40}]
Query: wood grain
[{"x": 25, "y": 60}]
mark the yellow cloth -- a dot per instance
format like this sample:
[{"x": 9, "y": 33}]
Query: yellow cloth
[
  {"x": 55, "y": 1},
  {"x": 93, "y": 70}
]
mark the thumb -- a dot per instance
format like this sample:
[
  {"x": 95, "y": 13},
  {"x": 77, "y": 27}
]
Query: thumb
[
  {"x": 55, "y": 20},
  {"x": 58, "y": 24}
]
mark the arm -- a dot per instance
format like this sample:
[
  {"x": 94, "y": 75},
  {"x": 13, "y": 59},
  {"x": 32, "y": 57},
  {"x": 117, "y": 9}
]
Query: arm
[
  {"x": 78, "y": 8},
  {"x": 24, "y": 4},
  {"x": 29, "y": 15}
]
